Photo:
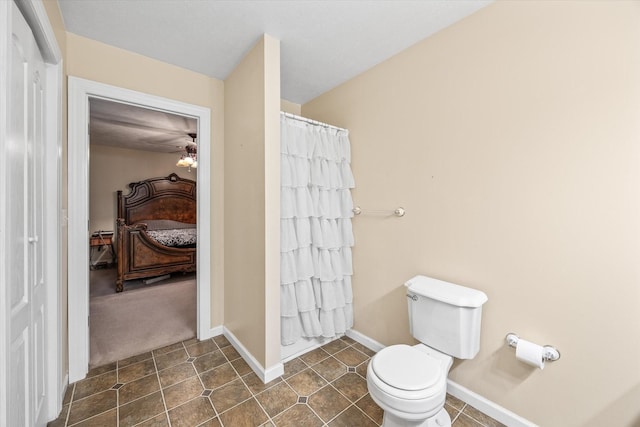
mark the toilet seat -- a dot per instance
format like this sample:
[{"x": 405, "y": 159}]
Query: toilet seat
[
  {"x": 406, "y": 368},
  {"x": 409, "y": 382},
  {"x": 405, "y": 373}
]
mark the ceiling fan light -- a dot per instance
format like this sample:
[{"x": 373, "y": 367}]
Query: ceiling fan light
[{"x": 190, "y": 158}]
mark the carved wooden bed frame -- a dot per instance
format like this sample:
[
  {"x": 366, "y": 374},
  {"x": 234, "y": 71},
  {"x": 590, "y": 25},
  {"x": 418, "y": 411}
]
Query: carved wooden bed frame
[{"x": 139, "y": 255}]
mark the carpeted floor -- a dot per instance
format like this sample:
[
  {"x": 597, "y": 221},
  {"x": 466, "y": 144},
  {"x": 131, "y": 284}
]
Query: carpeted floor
[
  {"x": 103, "y": 281},
  {"x": 140, "y": 319}
]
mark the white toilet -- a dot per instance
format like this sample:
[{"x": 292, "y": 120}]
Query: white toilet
[{"x": 410, "y": 382}]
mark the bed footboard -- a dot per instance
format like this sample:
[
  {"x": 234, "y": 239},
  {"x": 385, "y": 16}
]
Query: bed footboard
[{"x": 139, "y": 256}]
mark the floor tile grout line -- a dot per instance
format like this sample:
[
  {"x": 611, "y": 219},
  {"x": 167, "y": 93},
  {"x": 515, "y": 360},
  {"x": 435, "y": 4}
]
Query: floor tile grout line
[
  {"x": 235, "y": 406},
  {"x": 316, "y": 414},
  {"x": 459, "y": 413},
  {"x": 241, "y": 379},
  {"x": 344, "y": 395},
  {"x": 309, "y": 396},
  {"x": 164, "y": 402},
  {"x": 117, "y": 398},
  {"x": 286, "y": 409},
  {"x": 184, "y": 403},
  {"x": 208, "y": 397},
  {"x": 298, "y": 394},
  {"x": 73, "y": 391},
  {"x": 263, "y": 408},
  {"x": 185, "y": 348},
  {"x": 326, "y": 379},
  {"x": 217, "y": 348},
  {"x": 91, "y": 417},
  {"x": 362, "y": 410},
  {"x": 470, "y": 416},
  {"x": 94, "y": 415},
  {"x": 339, "y": 413},
  {"x": 348, "y": 400}
]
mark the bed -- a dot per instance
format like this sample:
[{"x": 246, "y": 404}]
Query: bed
[{"x": 156, "y": 229}]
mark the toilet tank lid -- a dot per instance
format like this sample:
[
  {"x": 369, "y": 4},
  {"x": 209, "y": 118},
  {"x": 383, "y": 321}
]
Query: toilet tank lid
[{"x": 449, "y": 293}]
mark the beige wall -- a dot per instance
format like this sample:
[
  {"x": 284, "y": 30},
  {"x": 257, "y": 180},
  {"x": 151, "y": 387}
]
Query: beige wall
[
  {"x": 512, "y": 140},
  {"x": 251, "y": 112},
  {"x": 112, "y": 169},
  {"x": 96, "y": 61},
  {"x": 290, "y": 107}
]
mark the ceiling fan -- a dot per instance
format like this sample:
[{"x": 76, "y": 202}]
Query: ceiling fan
[{"x": 189, "y": 158}]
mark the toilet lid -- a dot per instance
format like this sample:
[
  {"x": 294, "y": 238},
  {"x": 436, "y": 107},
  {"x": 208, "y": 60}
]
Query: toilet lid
[{"x": 403, "y": 367}]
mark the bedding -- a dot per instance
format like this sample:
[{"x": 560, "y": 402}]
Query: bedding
[{"x": 176, "y": 237}]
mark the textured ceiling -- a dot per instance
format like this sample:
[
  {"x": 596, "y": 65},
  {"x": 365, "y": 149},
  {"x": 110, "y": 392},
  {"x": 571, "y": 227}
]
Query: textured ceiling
[
  {"x": 128, "y": 126},
  {"x": 323, "y": 42}
]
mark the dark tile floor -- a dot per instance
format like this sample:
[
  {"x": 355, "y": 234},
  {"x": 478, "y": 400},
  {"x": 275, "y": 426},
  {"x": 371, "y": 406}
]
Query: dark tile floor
[{"x": 207, "y": 383}]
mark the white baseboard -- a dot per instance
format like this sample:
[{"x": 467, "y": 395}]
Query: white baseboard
[
  {"x": 273, "y": 372},
  {"x": 266, "y": 375},
  {"x": 487, "y": 407},
  {"x": 213, "y": 332},
  {"x": 63, "y": 387},
  {"x": 370, "y": 343},
  {"x": 302, "y": 346},
  {"x": 482, "y": 404},
  {"x": 62, "y": 391}
]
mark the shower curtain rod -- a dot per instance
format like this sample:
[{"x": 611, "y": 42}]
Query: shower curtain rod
[{"x": 313, "y": 122}]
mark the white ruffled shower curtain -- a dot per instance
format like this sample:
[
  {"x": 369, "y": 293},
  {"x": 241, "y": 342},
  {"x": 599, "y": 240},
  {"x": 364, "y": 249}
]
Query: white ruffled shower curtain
[{"x": 316, "y": 234}]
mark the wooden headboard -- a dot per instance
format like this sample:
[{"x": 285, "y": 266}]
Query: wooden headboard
[{"x": 159, "y": 198}]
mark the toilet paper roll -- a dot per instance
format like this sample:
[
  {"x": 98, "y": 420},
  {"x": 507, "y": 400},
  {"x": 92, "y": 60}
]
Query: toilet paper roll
[{"x": 530, "y": 353}]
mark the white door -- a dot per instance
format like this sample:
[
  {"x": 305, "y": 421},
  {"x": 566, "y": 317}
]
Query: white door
[{"x": 24, "y": 218}]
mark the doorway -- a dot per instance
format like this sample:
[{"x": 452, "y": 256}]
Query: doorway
[
  {"x": 131, "y": 144},
  {"x": 81, "y": 92}
]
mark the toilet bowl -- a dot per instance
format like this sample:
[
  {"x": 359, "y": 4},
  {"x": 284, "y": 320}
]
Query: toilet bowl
[
  {"x": 410, "y": 382},
  {"x": 410, "y": 385}
]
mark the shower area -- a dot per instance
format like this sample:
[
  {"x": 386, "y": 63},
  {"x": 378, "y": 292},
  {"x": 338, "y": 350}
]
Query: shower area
[{"x": 316, "y": 234}]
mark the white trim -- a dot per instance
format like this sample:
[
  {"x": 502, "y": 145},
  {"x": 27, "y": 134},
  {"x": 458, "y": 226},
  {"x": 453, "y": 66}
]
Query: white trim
[
  {"x": 78, "y": 214},
  {"x": 273, "y": 372},
  {"x": 482, "y": 404},
  {"x": 213, "y": 332},
  {"x": 370, "y": 343},
  {"x": 486, "y": 406},
  {"x": 266, "y": 375},
  {"x": 5, "y": 34},
  {"x": 80, "y": 90},
  {"x": 64, "y": 385},
  {"x": 300, "y": 347},
  {"x": 36, "y": 15},
  {"x": 53, "y": 239}
]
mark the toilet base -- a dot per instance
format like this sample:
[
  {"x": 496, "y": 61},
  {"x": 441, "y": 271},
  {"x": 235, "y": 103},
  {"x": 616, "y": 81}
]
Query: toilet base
[{"x": 441, "y": 419}]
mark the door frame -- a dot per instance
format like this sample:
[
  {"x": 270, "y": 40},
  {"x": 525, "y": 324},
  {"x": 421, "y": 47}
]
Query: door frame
[
  {"x": 36, "y": 16},
  {"x": 79, "y": 92}
]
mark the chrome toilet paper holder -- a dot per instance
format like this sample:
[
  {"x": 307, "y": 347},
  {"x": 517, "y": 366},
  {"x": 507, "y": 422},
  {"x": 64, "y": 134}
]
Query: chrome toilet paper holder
[{"x": 550, "y": 352}]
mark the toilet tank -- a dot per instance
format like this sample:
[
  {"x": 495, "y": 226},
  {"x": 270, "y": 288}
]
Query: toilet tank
[{"x": 445, "y": 316}]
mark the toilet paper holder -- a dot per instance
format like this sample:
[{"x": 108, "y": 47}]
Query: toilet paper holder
[{"x": 550, "y": 353}]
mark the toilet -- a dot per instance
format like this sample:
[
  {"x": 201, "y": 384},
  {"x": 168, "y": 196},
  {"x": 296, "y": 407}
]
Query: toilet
[{"x": 410, "y": 382}]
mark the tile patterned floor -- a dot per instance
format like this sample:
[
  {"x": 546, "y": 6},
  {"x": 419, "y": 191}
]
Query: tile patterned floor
[{"x": 207, "y": 383}]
